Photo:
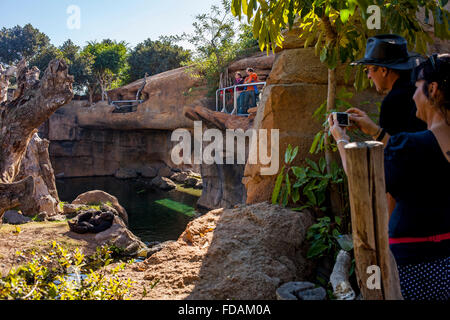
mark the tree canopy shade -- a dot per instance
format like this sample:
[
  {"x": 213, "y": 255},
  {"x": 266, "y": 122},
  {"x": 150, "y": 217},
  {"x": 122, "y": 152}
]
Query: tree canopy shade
[
  {"x": 153, "y": 57},
  {"x": 339, "y": 27},
  {"x": 21, "y": 42}
]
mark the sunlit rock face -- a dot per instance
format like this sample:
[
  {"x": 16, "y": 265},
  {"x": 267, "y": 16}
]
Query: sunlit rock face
[{"x": 244, "y": 253}]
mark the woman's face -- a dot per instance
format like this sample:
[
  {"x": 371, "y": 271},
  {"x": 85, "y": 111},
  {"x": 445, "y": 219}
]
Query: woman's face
[
  {"x": 421, "y": 100},
  {"x": 237, "y": 76}
]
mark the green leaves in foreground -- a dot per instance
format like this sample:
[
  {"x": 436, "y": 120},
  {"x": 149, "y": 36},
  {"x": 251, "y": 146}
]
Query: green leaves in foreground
[
  {"x": 307, "y": 185},
  {"x": 326, "y": 238},
  {"x": 62, "y": 275}
]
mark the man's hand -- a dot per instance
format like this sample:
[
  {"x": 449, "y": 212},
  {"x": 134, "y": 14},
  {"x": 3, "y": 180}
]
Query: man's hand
[
  {"x": 336, "y": 131},
  {"x": 363, "y": 122}
]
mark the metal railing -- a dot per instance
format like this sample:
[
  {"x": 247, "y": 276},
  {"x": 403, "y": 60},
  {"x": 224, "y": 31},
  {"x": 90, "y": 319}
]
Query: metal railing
[
  {"x": 224, "y": 90},
  {"x": 130, "y": 105}
]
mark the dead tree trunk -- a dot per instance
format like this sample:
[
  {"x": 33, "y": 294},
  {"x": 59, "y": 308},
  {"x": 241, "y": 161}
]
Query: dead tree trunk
[{"x": 34, "y": 103}]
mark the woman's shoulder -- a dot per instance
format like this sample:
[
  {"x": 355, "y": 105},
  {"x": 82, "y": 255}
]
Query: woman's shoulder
[{"x": 411, "y": 143}]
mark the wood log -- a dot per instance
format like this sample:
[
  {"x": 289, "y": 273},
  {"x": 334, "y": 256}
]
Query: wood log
[
  {"x": 339, "y": 278},
  {"x": 21, "y": 118},
  {"x": 369, "y": 213},
  {"x": 386, "y": 261},
  {"x": 35, "y": 101},
  {"x": 360, "y": 191},
  {"x": 13, "y": 194}
]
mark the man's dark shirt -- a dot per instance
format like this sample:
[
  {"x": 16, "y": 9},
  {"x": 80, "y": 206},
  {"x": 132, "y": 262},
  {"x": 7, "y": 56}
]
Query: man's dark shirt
[{"x": 398, "y": 110}]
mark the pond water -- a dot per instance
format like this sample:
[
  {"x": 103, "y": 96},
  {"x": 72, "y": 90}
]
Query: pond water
[{"x": 153, "y": 215}]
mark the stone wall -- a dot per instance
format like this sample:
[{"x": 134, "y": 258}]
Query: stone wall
[{"x": 83, "y": 151}]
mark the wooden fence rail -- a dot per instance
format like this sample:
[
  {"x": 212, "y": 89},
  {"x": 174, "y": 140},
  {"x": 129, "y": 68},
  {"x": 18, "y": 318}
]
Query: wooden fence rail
[{"x": 369, "y": 213}]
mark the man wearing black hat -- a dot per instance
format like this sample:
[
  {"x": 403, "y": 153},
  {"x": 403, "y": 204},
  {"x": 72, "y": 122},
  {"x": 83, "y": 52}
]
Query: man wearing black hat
[{"x": 389, "y": 66}]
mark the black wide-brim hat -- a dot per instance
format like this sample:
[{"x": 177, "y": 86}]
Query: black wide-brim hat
[{"x": 390, "y": 51}]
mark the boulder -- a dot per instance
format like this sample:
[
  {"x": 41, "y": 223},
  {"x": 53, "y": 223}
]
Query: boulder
[
  {"x": 199, "y": 185},
  {"x": 148, "y": 172},
  {"x": 69, "y": 209},
  {"x": 119, "y": 236},
  {"x": 163, "y": 183},
  {"x": 97, "y": 197},
  {"x": 124, "y": 173},
  {"x": 244, "y": 253},
  {"x": 287, "y": 68},
  {"x": 190, "y": 182},
  {"x": 300, "y": 291},
  {"x": 165, "y": 172},
  {"x": 260, "y": 62},
  {"x": 14, "y": 217},
  {"x": 179, "y": 177}
]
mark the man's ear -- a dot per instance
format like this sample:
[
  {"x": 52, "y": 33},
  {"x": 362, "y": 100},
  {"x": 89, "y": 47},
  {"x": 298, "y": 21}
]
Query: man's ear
[{"x": 432, "y": 89}]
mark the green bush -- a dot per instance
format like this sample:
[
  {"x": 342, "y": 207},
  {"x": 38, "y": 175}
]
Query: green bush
[{"x": 63, "y": 275}]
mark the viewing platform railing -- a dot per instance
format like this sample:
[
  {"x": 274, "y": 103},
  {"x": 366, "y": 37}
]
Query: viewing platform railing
[
  {"x": 125, "y": 106},
  {"x": 224, "y": 91}
]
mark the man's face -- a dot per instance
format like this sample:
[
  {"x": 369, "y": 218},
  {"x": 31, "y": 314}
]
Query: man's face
[{"x": 375, "y": 73}]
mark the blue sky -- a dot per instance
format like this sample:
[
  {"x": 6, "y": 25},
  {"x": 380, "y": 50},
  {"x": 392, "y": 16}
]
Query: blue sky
[{"x": 130, "y": 20}]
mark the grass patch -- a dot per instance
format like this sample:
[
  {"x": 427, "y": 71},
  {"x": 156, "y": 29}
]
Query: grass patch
[{"x": 191, "y": 191}]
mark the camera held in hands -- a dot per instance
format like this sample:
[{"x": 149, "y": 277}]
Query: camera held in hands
[{"x": 342, "y": 118}]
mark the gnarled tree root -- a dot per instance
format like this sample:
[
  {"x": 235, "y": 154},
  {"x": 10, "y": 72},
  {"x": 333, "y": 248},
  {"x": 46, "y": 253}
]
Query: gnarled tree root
[
  {"x": 342, "y": 289},
  {"x": 14, "y": 194}
]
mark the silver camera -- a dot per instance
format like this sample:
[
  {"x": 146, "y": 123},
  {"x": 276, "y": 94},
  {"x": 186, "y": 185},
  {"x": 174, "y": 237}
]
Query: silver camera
[{"x": 342, "y": 118}]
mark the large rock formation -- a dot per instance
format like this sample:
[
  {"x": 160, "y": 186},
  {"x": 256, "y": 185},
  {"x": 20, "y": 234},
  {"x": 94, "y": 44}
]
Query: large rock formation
[
  {"x": 261, "y": 63},
  {"x": 94, "y": 141},
  {"x": 222, "y": 183},
  {"x": 78, "y": 151},
  {"x": 166, "y": 93},
  {"x": 244, "y": 254}
]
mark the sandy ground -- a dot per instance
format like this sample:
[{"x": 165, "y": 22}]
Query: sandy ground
[{"x": 37, "y": 236}]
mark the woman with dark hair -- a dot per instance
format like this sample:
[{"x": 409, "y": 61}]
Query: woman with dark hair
[{"x": 417, "y": 168}]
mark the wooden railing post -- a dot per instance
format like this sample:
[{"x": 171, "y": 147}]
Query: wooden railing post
[{"x": 370, "y": 218}]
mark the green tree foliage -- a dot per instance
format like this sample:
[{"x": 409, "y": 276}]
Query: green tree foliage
[
  {"x": 109, "y": 62},
  {"x": 213, "y": 38},
  {"x": 21, "y": 42},
  {"x": 246, "y": 43},
  {"x": 153, "y": 57},
  {"x": 44, "y": 56},
  {"x": 80, "y": 66}
]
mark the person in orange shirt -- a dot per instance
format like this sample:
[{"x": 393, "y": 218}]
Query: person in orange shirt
[{"x": 247, "y": 99}]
